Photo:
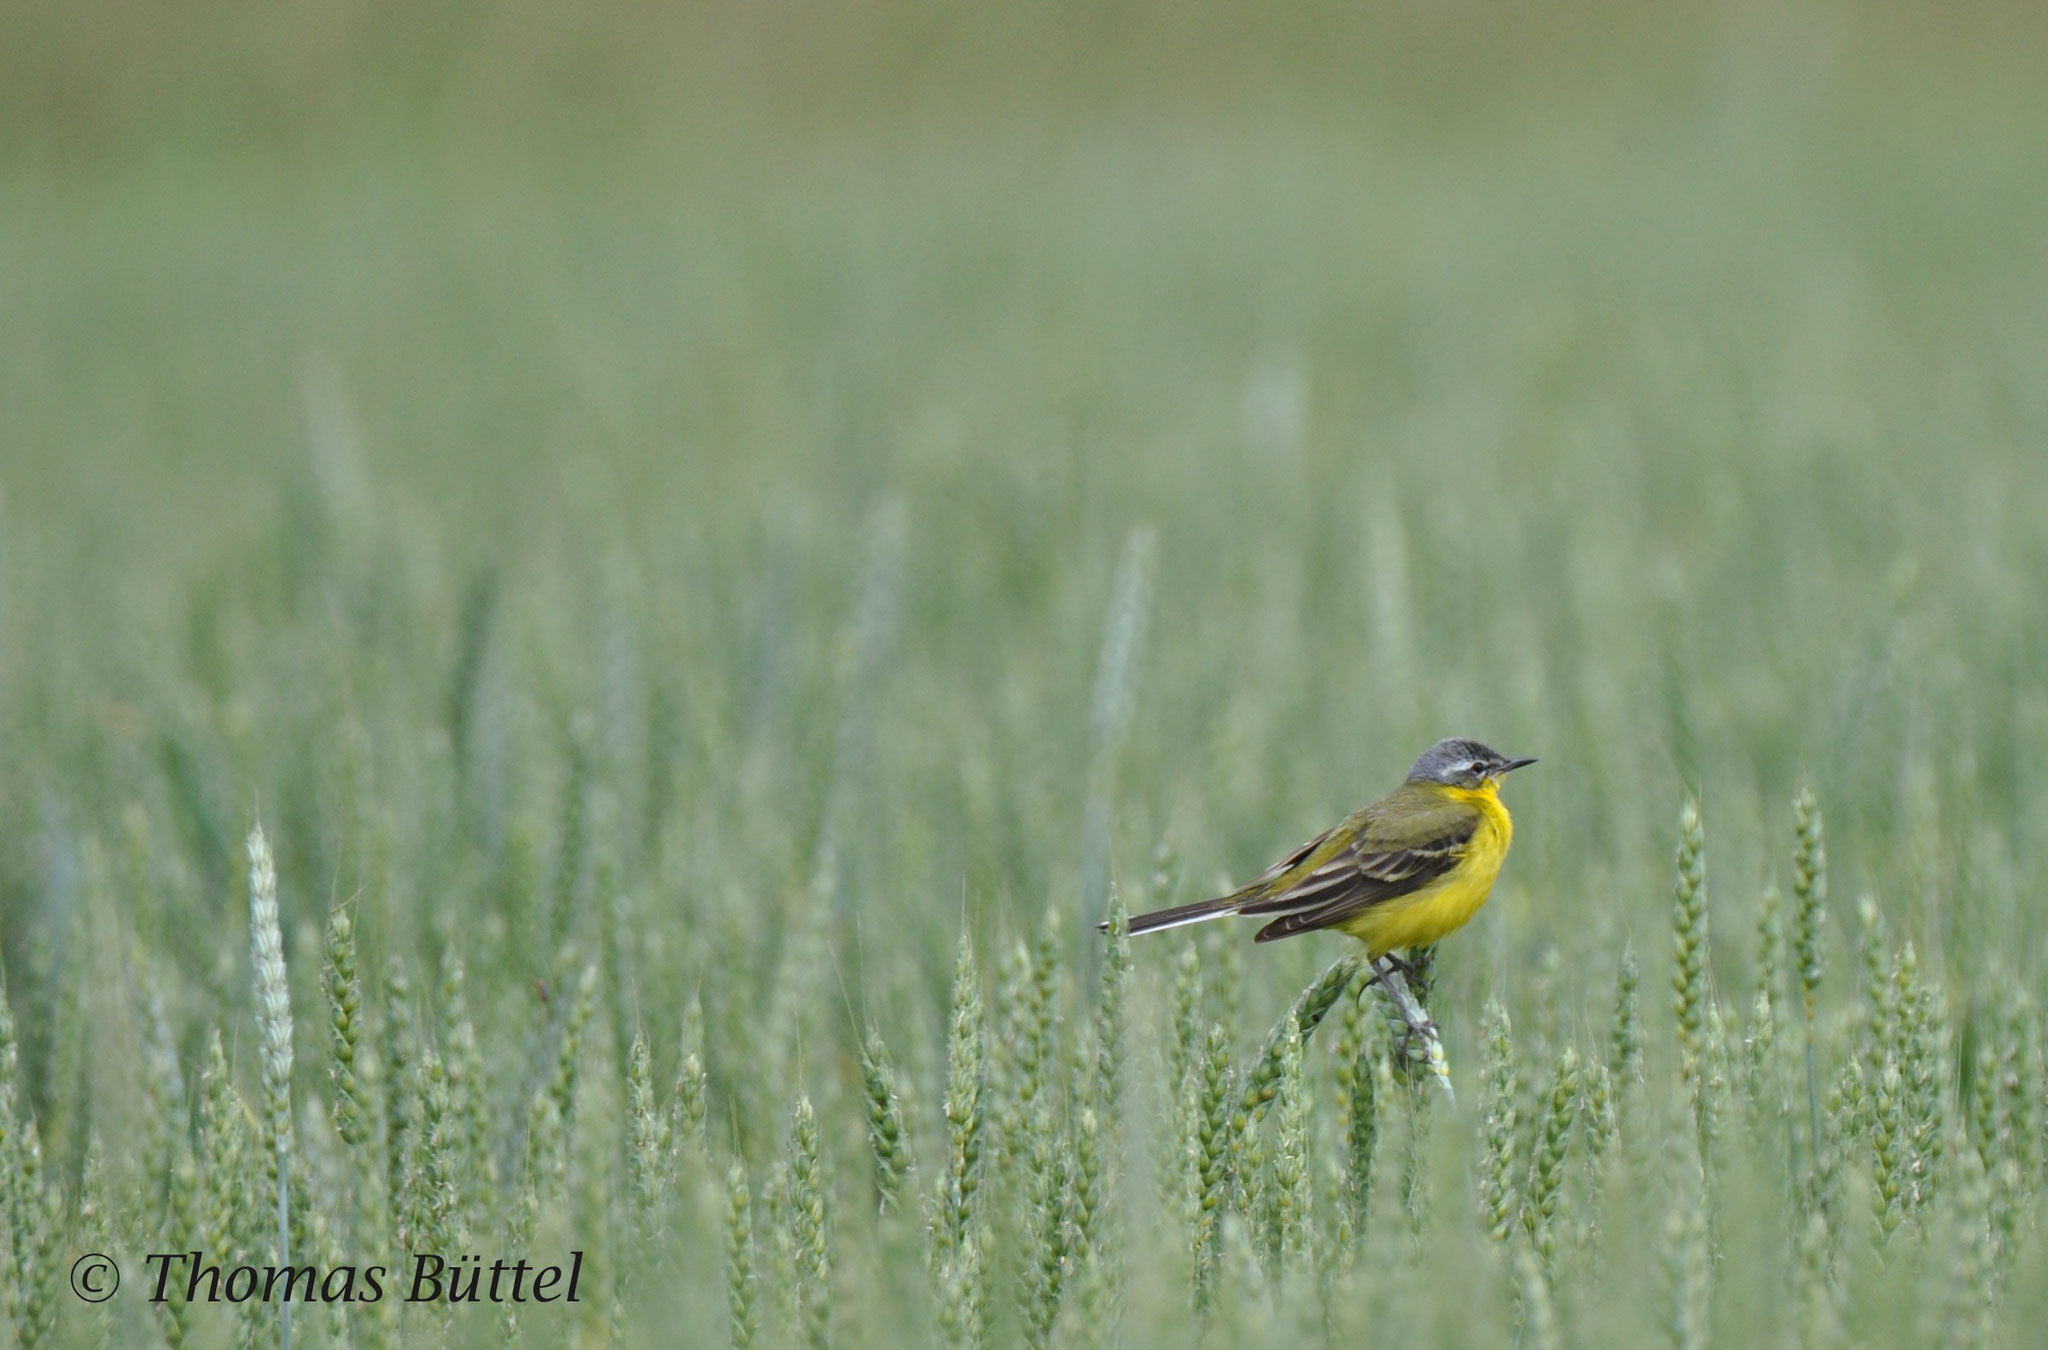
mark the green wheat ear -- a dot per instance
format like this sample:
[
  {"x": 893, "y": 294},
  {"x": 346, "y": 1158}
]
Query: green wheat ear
[
  {"x": 2020, "y": 1083},
  {"x": 1178, "y": 1175},
  {"x": 1366, "y": 1086},
  {"x": 1089, "y": 1183},
  {"x": 1109, "y": 1007},
  {"x": 1700, "y": 1040},
  {"x": 1293, "y": 1175},
  {"x": 888, "y": 1140},
  {"x": 1810, "y": 893},
  {"x": 810, "y": 1228},
  {"x": 739, "y": 1256},
  {"x": 1210, "y": 1165},
  {"x": 1603, "y": 1130},
  {"x": 1759, "y": 1059},
  {"x": 1923, "y": 1048},
  {"x": 344, "y": 989},
  {"x": 1047, "y": 1230},
  {"x": 1546, "y": 1164},
  {"x": 426, "y": 1200},
  {"x": 1625, "y": 1042},
  {"x": 964, "y": 1114},
  {"x": 475, "y": 1165},
  {"x": 647, "y": 1163},
  {"x": 1261, "y": 1078},
  {"x": 396, "y": 1040},
  {"x": 1689, "y": 943},
  {"x": 274, "y": 1022},
  {"x": 1770, "y": 944},
  {"x": 1499, "y": 1106},
  {"x": 182, "y": 1228},
  {"x": 570, "y": 1052},
  {"x": 693, "y": 1083},
  {"x": 228, "y": 1219}
]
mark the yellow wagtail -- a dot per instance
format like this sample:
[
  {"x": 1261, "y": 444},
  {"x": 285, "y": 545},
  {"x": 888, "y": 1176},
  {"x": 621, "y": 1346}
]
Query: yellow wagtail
[{"x": 1406, "y": 870}]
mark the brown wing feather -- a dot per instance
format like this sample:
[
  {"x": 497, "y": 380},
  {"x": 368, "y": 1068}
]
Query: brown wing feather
[{"x": 1357, "y": 879}]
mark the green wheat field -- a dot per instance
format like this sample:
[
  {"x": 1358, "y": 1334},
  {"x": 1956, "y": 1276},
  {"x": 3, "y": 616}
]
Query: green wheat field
[{"x": 596, "y": 601}]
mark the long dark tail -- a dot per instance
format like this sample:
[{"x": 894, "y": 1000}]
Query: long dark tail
[{"x": 1180, "y": 914}]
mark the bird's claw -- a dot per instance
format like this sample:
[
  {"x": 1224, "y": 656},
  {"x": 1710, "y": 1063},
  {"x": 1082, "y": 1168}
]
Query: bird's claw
[{"x": 1385, "y": 966}]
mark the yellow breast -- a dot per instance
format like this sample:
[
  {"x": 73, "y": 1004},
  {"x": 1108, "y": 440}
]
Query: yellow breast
[{"x": 1438, "y": 910}]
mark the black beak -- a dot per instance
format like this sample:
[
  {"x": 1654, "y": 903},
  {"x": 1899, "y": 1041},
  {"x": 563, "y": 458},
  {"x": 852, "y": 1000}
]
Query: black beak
[{"x": 1514, "y": 764}]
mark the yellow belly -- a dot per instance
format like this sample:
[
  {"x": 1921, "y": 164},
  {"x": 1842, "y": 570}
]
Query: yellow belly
[{"x": 1439, "y": 910}]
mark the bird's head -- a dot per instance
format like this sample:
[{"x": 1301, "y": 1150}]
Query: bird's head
[{"x": 1462, "y": 764}]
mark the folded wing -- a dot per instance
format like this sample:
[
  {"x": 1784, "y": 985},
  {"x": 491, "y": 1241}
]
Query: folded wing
[{"x": 1385, "y": 861}]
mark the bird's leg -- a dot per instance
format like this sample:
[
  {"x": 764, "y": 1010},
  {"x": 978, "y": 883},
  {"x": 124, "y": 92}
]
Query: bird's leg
[
  {"x": 1400, "y": 964},
  {"x": 1387, "y": 965},
  {"x": 1394, "y": 980},
  {"x": 1418, "y": 1027}
]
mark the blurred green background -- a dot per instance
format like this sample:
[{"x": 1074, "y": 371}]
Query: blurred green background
[
  {"x": 951, "y": 450},
  {"x": 1655, "y": 393}
]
